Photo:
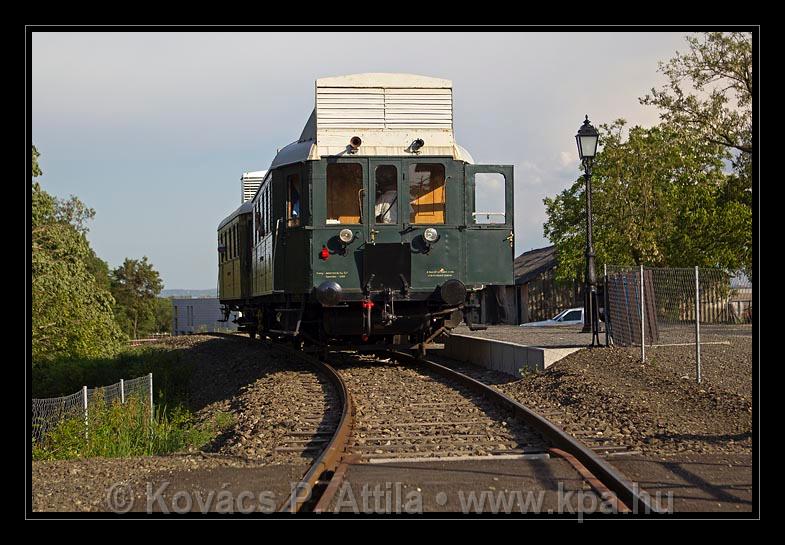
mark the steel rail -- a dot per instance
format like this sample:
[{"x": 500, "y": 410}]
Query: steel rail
[
  {"x": 628, "y": 493},
  {"x": 330, "y": 458}
]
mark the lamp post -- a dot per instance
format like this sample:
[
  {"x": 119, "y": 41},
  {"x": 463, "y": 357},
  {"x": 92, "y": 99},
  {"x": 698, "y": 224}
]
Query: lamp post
[{"x": 587, "y": 139}]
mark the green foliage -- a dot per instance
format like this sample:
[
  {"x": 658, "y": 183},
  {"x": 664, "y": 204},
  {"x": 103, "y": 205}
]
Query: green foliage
[
  {"x": 71, "y": 313},
  {"x": 119, "y": 430},
  {"x": 164, "y": 314},
  {"x": 100, "y": 271},
  {"x": 709, "y": 90},
  {"x": 35, "y": 168},
  {"x": 135, "y": 286},
  {"x": 73, "y": 212},
  {"x": 659, "y": 198},
  {"x": 171, "y": 373},
  {"x": 125, "y": 430}
]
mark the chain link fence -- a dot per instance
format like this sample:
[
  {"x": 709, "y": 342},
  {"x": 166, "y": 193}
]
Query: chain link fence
[
  {"x": 48, "y": 413},
  {"x": 648, "y": 306}
]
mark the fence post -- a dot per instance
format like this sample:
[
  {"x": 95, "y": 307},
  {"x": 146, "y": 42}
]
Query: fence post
[
  {"x": 605, "y": 301},
  {"x": 122, "y": 392},
  {"x": 84, "y": 405},
  {"x": 150, "y": 385},
  {"x": 697, "y": 328},
  {"x": 643, "y": 322}
]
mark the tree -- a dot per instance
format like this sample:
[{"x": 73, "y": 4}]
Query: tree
[
  {"x": 135, "y": 286},
  {"x": 71, "y": 314},
  {"x": 100, "y": 270},
  {"x": 660, "y": 198},
  {"x": 164, "y": 313},
  {"x": 709, "y": 91}
]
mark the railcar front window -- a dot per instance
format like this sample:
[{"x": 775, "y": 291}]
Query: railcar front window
[
  {"x": 426, "y": 193},
  {"x": 489, "y": 198},
  {"x": 344, "y": 193},
  {"x": 386, "y": 204}
]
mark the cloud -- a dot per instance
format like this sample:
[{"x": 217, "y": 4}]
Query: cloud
[{"x": 567, "y": 158}]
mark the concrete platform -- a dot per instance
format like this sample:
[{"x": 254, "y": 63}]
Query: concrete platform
[{"x": 507, "y": 357}]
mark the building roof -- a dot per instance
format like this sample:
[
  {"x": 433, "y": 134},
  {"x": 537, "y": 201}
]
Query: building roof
[{"x": 534, "y": 262}]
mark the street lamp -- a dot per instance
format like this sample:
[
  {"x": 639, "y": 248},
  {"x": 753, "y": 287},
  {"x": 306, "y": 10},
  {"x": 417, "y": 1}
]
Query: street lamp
[{"x": 587, "y": 139}]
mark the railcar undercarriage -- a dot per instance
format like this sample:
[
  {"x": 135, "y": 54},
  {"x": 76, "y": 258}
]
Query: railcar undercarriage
[{"x": 331, "y": 320}]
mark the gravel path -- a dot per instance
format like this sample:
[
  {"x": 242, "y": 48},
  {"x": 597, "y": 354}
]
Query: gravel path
[{"x": 86, "y": 485}]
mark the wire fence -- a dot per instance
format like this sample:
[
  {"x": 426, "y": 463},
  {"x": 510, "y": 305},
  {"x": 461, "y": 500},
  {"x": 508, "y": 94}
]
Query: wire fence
[
  {"x": 48, "y": 413},
  {"x": 648, "y": 306}
]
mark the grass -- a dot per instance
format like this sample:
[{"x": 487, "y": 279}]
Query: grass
[{"x": 121, "y": 430}]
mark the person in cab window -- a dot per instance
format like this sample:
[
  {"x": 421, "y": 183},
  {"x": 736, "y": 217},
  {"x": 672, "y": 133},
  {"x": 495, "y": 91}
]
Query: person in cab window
[
  {"x": 386, "y": 210},
  {"x": 295, "y": 203}
]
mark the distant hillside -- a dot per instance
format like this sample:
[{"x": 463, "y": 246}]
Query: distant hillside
[{"x": 189, "y": 293}]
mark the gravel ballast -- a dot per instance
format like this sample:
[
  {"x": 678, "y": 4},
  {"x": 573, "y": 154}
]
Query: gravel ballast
[{"x": 654, "y": 407}]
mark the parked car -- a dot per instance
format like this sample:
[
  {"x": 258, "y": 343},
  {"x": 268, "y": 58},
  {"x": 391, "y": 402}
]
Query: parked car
[{"x": 571, "y": 316}]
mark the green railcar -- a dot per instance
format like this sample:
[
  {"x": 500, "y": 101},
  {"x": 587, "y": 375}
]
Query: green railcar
[{"x": 369, "y": 229}]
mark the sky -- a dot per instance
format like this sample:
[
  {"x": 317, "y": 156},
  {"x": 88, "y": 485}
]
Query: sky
[{"x": 153, "y": 130}]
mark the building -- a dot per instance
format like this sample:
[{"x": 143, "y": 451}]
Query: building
[
  {"x": 249, "y": 184},
  {"x": 539, "y": 295},
  {"x": 199, "y": 315},
  {"x": 536, "y": 295}
]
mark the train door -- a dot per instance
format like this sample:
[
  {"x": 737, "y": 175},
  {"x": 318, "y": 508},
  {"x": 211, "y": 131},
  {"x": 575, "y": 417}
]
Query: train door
[
  {"x": 489, "y": 224},
  {"x": 385, "y": 257},
  {"x": 344, "y": 206}
]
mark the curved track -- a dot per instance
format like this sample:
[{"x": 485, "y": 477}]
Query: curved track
[{"x": 445, "y": 414}]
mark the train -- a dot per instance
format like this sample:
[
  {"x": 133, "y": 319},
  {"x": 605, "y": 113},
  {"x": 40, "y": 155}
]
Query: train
[{"x": 373, "y": 228}]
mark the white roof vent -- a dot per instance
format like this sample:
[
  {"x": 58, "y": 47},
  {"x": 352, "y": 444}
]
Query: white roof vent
[{"x": 386, "y": 111}]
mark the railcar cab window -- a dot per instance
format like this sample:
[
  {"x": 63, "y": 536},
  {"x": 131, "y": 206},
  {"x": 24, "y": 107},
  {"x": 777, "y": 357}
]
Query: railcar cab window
[
  {"x": 344, "y": 193},
  {"x": 426, "y": 193},
  {"x": 489, "y": 198},
  {"x": 293, "y": 200},
  {"x": 386, "y": 204}
]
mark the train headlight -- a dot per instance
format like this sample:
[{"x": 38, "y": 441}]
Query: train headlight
[
  {"x": 431, "y": 234},
  {"x": 346, "y": 236}
]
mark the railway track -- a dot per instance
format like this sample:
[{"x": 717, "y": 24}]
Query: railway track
[
  {"x": 392, "y": 409},
  {"x": 406, "y": 413}
]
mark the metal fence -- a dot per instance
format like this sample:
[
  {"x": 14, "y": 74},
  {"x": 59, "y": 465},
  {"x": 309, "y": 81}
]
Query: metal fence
[
  {"x": 48, "y": 413},
  {"x": 647, "y": 306}
]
